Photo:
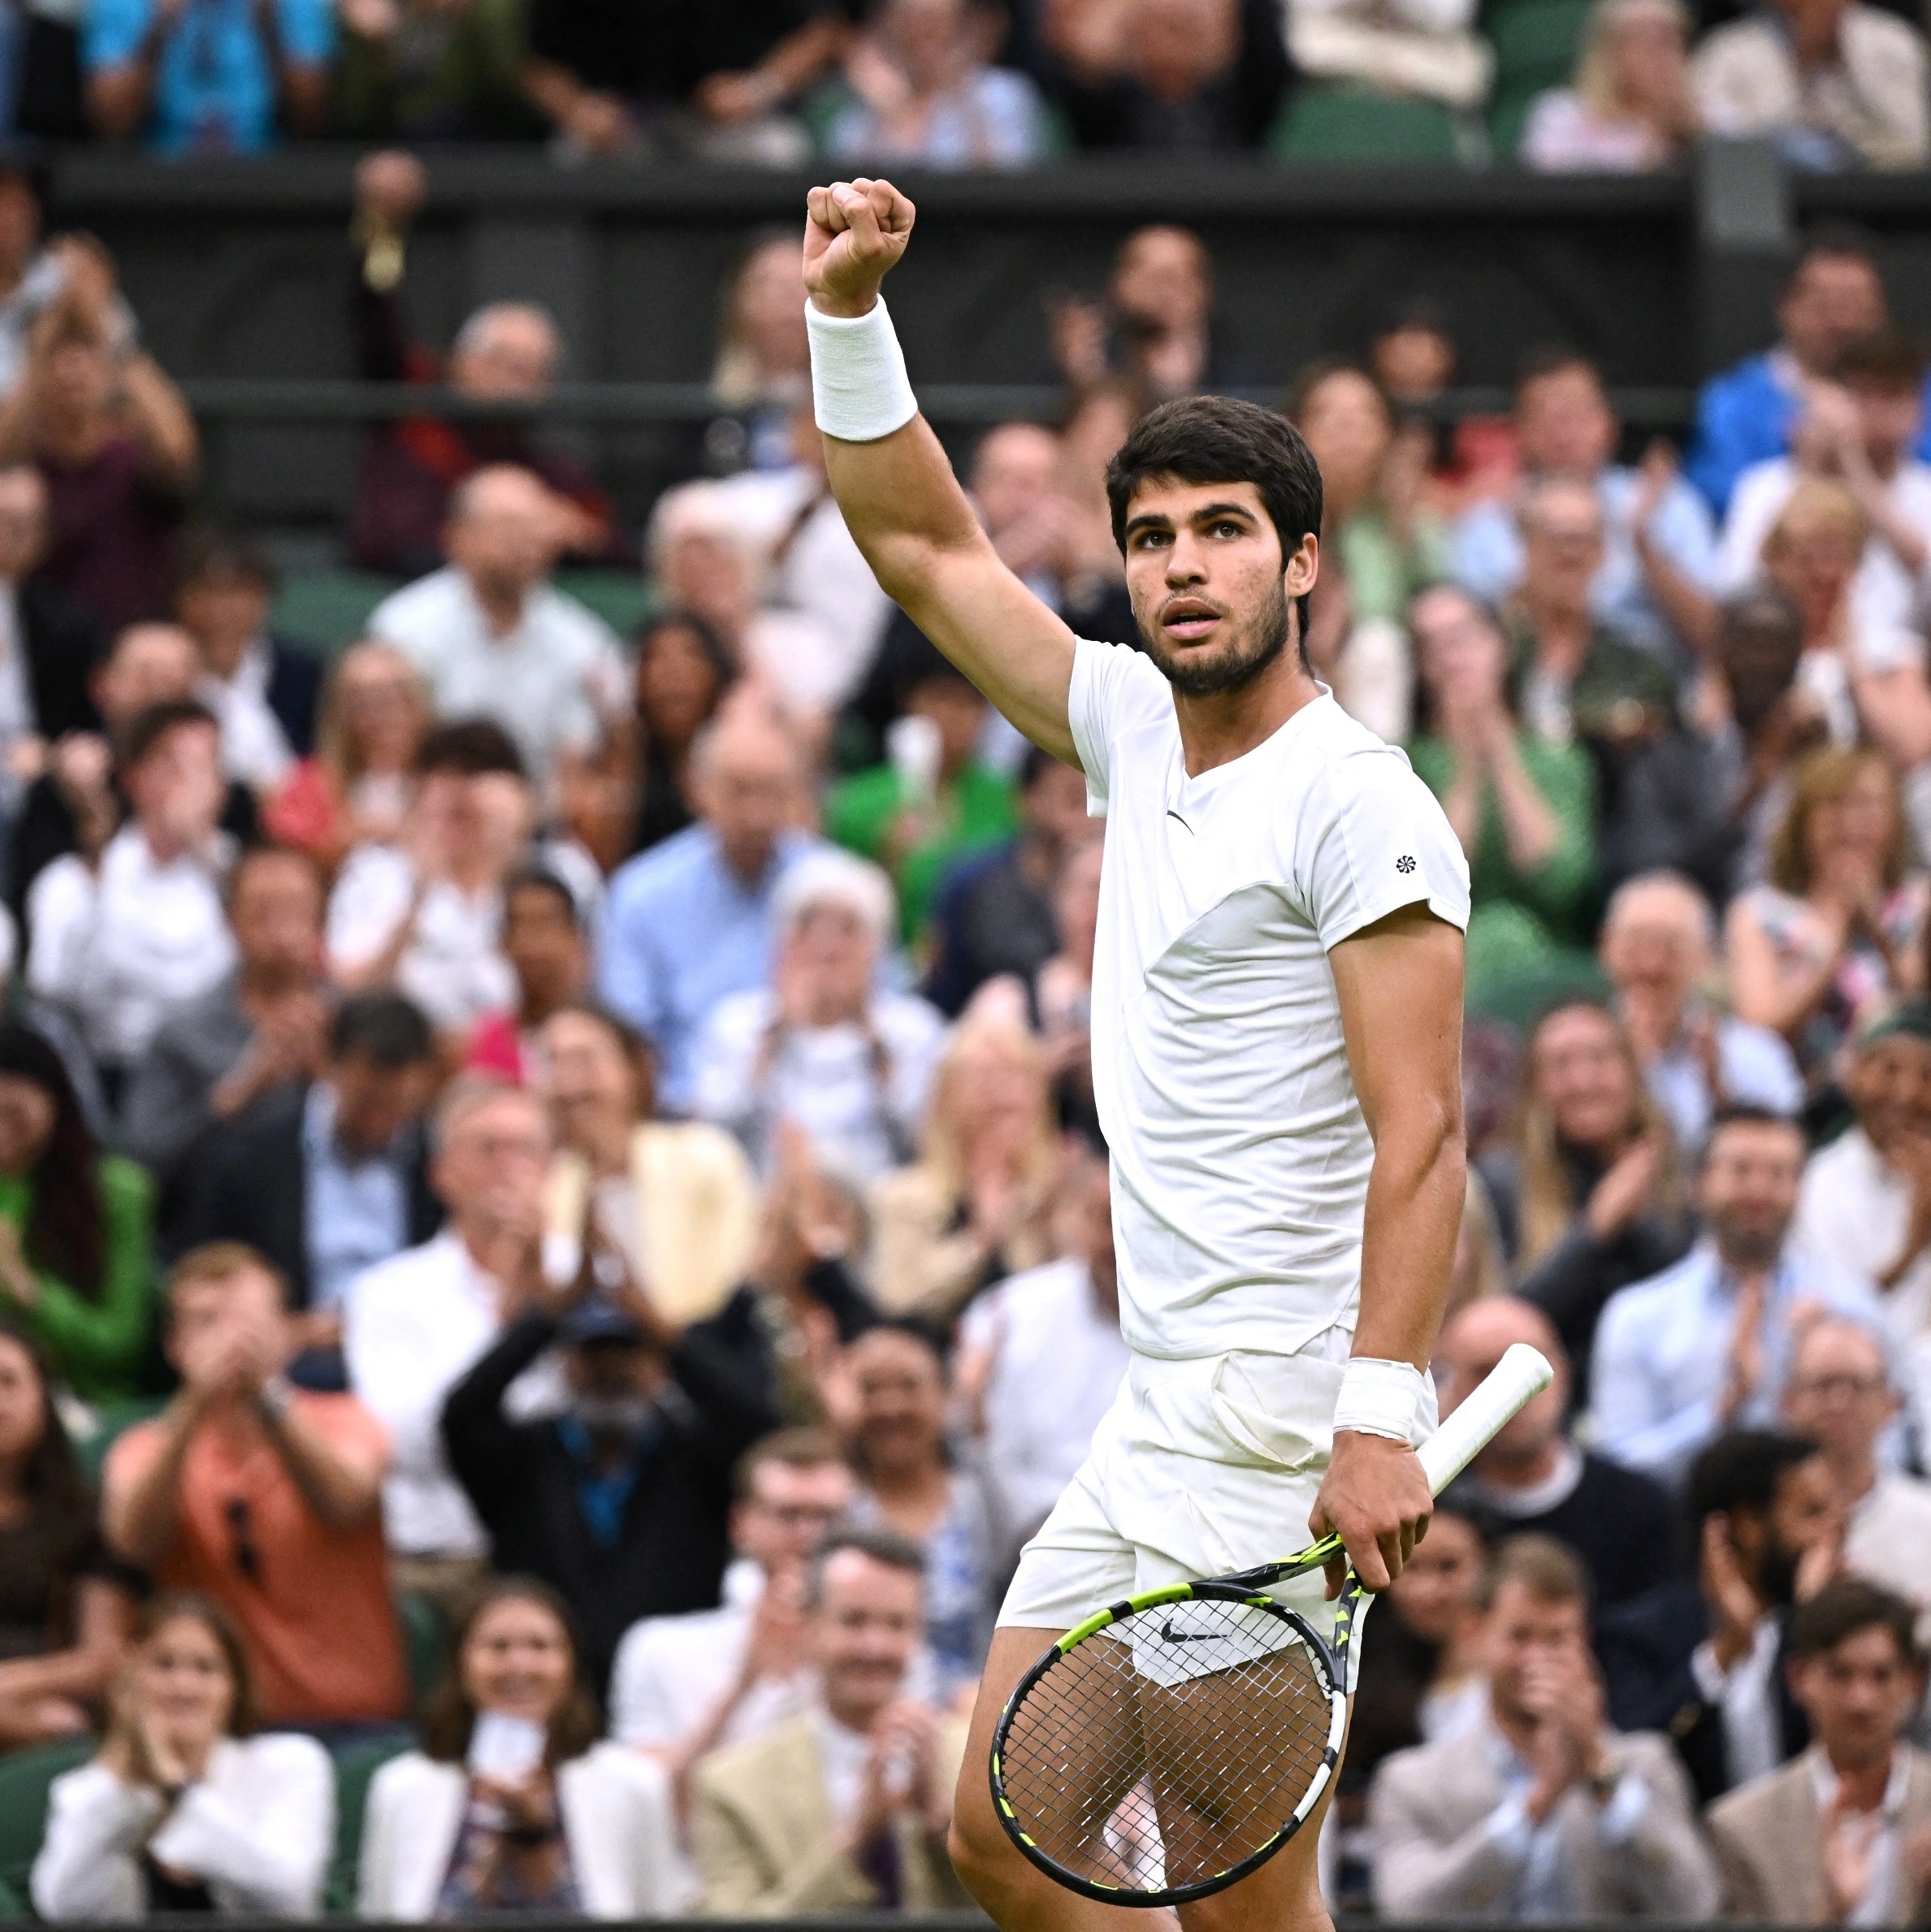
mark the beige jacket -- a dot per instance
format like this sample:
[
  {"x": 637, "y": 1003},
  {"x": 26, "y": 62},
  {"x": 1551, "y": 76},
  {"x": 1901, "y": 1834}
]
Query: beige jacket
[
  {"x": 766, "y": 1847},
  {"x": 1769, "y": 1840},
  {"x": 697, "y": 1213},
  {"x": 921, "y": 1264},
  {"x": 1746, "y": 82},
  {"x": 1437, "y": 1856}
]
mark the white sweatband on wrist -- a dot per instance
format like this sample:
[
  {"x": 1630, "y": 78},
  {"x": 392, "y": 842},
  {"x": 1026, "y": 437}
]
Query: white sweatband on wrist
[
  {"x": 1380, "y": 1398},
  {"x": 860, "y": 389}
]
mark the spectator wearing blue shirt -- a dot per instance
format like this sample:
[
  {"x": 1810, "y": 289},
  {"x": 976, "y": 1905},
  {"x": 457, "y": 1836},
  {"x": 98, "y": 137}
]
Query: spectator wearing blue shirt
[
  {"x": 1659, "y": 545},
  {"x": 690, "y": 921},
  {"x": 1745, "y": 415},
  {"x": 1707, "y": 1345},
  {"x": 207, "y": 76}
]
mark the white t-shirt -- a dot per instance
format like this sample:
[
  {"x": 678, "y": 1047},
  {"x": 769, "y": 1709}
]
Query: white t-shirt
[{"x": 1240, "y": 1155}]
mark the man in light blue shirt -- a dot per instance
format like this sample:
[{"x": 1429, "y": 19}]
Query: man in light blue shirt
[
  {"x": 1565, "y": 426},
  {"x": 1707, "y": 1345},
  {"x": 690, "y": 921},
  {"x": 203, "y": 76}
]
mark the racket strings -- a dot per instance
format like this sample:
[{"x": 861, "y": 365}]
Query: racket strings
[{"x": 1170, "y": 1749}]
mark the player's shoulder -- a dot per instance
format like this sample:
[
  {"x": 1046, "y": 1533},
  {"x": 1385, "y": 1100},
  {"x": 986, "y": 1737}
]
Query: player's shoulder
[
  {"x": 1122, "y": 683},
  {"x": 1347, "y": 768}
]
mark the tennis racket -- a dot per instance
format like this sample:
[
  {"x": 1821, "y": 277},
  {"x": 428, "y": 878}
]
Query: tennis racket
[{"x": 1172, "y": 1743}]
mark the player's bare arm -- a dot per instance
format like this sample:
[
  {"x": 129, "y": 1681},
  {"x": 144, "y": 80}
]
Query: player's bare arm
[
  {"x": 905, "y": 509},
  {"x": 1400, "y": 984}
]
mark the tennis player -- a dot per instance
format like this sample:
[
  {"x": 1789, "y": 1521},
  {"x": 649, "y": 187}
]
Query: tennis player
[{"x": 1276, "y": 1017}]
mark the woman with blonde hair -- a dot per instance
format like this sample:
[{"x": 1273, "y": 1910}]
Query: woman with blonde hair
[
  {"x": 1631, "y": 109},
  {"x": 977, "y": 1204},
  {"x": 1589, "y": 1194},
  {"x": 1837, "y": 930},
  {"x": 356, "y": 787}
]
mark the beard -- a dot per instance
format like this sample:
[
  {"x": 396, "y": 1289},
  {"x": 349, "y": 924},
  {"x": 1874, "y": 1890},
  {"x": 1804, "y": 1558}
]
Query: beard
[{"x": 1229, "y": 666}]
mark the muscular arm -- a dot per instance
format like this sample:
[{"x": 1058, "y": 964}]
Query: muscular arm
[
  {"x": 1400, "y": 986},
  {"x": 905, "y": 509}
]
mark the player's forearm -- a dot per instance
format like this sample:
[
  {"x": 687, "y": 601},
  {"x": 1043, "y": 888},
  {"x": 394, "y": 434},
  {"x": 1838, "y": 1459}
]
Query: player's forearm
[{"x": 1415, "y": 1195}]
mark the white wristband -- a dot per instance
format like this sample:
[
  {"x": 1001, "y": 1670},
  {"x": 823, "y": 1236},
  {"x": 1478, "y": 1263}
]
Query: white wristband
[
  {"x": 860, "y": 389},
  {"x": 1380, "y": 1398}
]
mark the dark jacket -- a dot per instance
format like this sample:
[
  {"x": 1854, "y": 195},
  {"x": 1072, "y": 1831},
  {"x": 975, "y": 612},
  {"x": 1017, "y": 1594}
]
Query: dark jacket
[
  {"x": 1644, "y": 1647},
  {"x": 253, "y": 1186},
  {"x": 673, "y": 1539},
  {"x": 294, "y": 693},
  {"x": 62, "y": 643}
]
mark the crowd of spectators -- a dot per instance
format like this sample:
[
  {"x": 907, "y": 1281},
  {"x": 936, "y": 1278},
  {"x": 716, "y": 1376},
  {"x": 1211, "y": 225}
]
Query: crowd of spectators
[
  {"x": 554, "y": 1230},
  {"x": 1562, "y": 85}
]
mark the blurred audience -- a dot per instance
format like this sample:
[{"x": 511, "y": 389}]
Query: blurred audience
[
  {"x": 1837, "y": 929},
  {"x": 824, "y": 1047},
  {"x": 492, "y": 637},
  {"x": 1541, "y": 1810},
  {"x": 692, "y": 919},
  {"x": 76, "y": 1258},
  {"x": 923, "y": 91},
  {"x": 1409, "y": 51},
  {"x": 977, "y": 1205},
  {"x": 428, "y": 71},
  {"x": 847, "y": 1806},
  {"x": 1707, "y": 1345},
  {"x": 682, "y": 675},
  {"x": 677, "y": 1198},
  {"x": 266, "y": 1498},
  {"x": 688, "y": 1685},
  {"x": 910, "y": 1482},
  {"x": 187, "y": 1809},
  {"x": 357, "y": 786},
  {"x": 65, "y": 1605},
  {"x": 1535, "y": 1477},
  {"x": 327, "y": 1176},
  {"x": 511, "y": 1805},
  {"x": 1632, "y": 108},
  {"x": 1841, "y": 1836},
  {"x": 548, "y": 952},
  {"x": 763, "y": 371},
  {"x": 1155, "y": 328}
]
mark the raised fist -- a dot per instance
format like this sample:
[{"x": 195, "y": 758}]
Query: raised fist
[{"x": 853, "y": 231}]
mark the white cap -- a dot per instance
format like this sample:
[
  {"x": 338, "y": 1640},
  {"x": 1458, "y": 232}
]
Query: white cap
[{"x": 831, "y": 878}]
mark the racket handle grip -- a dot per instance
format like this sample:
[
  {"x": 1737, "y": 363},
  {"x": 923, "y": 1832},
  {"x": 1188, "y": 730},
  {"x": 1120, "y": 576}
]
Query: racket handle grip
[{"x": 1522, "y": 1373}]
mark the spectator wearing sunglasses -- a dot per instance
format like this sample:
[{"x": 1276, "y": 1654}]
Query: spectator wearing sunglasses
[{"x": 266, "y": 1498}]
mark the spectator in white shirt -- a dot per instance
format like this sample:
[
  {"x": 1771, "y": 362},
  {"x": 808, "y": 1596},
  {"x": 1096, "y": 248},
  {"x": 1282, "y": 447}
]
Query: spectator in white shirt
[
  {"x": 685, "y": 1686},
  {"x": 1041, "y": 1360},
  {"x": 1658, "y": 949},
  {"x": 426, "y": 913},
  {"x": 1860, "y": 430},
  {"x": 185, "y": 1810},
  {"x": 823, "y": 1046},
  {"x": 1844, "y": 1397},
  {"x": 123, "y": 941},
  {"x": 415, "y": 1326},
  {"x": 493, "y": 636}
]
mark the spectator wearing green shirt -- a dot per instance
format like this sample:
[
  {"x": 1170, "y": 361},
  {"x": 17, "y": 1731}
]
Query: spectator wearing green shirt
[
  {"x": 933, "y": 799},
  {"x": 76, "y": 1264},
  {"x": 432, "y": 70},
  {"x": 1522, "y": 807}
]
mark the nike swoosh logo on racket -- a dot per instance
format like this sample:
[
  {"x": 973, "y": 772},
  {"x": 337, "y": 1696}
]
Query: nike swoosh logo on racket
[{"x": 1198, "y": 1636}]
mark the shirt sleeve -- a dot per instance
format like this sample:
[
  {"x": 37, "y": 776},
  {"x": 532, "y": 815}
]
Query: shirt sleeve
[
  {"x": 1385, "y": 843},
  {"x": 113, "y": 30},
  {"x": 307, "y": 29},
  {"x": 1107, "y": 679}
]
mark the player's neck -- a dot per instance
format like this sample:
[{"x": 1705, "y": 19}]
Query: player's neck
[{"x": 1220, "y": 726}]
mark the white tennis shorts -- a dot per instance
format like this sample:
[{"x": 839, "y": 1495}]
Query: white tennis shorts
[{"x": 1199, "y": 1467}]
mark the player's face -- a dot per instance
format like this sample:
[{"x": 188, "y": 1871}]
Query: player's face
[{"x": 1211, "y": 593}]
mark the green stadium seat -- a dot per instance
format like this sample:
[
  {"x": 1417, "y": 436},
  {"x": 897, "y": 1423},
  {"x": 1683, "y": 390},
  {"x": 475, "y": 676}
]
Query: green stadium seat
[
  {"x": 1535, "y": 44},
  {"x": 1344, "y": 122},
  {"x": 25, "y": 1778},
  {"x": 425, "y": 1644},
  {"x": 355, "y": 1767},
  {"x": 112, "y": 1421}
]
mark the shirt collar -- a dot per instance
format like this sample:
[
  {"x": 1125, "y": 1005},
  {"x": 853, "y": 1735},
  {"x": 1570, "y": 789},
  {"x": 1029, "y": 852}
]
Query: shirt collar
[{"x": 1823, "y": 1781}]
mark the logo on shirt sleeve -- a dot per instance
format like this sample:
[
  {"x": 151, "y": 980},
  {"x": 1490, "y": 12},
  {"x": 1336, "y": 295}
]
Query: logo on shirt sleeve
[{"x": 1406, "y": 863}]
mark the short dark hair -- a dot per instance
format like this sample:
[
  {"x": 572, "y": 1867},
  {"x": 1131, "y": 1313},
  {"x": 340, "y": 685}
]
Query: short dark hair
[
  {"x": 1842, "y": 240},
  {"x": 1220, "y": 439},
  {"x": 799, "y": 1448},
  {"x": 209, "y": 553},
  {"x": 540, "y": 878},
  {"x": 1742, "y": 1469},
  {"x": 888, "y": 1547},
  {"x": 1552, "y": 358},
  {"x": 471, "y": 747},
  {"x": 1845, "y": 1606},
  {"x": 1746, "y": 1113},
  {"x": 384, "y": 1028},
  {"x": 253, "y": 855},
  {"x": 146, "y": 729},
  {"x": 1887, "y": 358},
  {"x": 1548, "y": 1569}
]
